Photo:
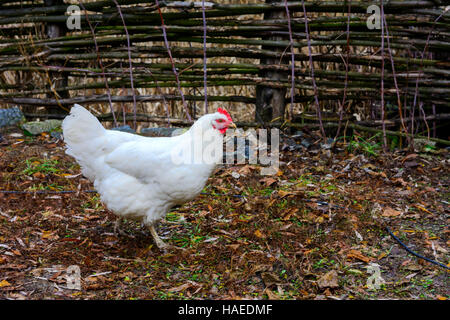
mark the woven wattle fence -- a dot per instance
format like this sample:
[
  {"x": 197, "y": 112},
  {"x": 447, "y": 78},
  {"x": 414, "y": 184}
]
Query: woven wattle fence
[{"x": 318, "y": 64}]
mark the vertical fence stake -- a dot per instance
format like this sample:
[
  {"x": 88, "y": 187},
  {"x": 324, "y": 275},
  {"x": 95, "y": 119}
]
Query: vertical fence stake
[
  {"x": 271, "y": 102},
  {"x": 56, "y": 79},
  {"x": 383, "y": 123},
  {"x": 205, "y": 76},
  {"x": 291, "y": 43}
]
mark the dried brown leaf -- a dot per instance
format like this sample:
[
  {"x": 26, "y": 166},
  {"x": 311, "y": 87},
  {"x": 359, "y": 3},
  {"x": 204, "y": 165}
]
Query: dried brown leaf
[
  {"x": 355, "y": 254},
  {"x": 329, "y": 280},
  {"x": 180, "y": 288},
  {"x": 389, "y": 212}
]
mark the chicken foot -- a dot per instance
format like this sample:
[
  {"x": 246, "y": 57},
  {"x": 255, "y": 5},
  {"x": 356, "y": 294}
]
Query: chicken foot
[
  {"x": 118, "y": 230},
  {"x": 159, "y": 243}
]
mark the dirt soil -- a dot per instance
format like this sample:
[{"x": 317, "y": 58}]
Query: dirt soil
[{"x": 316, "y": 230}]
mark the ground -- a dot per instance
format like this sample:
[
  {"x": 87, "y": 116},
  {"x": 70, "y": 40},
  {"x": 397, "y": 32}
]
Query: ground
[{"x": 313, "y": 231}]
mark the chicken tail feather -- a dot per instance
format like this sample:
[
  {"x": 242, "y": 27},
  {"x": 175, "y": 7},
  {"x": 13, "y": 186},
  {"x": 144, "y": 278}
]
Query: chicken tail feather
[{"x": 80, "y": 129}]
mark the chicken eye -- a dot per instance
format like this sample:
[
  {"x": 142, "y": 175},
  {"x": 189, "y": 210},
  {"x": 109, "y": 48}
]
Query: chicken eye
[{"x": 219, "y": 121}]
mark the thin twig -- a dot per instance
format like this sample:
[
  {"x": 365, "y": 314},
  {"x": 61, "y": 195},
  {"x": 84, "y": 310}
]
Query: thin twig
[
  {"x": 123, "y": 104},
  {"x": 399, "y": 102},
  {"x": 316, "y": 99},
  {"x": 205, "y": 77},
  {"x": 424, "y": 118},
  {"x": 434, "y": 121},
  {"x": 130, "y": 63},
  {"x": 344, "y": 97},
  {"x": 291, "y": 44},
  {"x": 383, "y": 125},
  {"x": 68, "y": 69},
  {"x": 166, "y": 42},
  {"x": 108, "y": 91},
  {"x": 416, "y": 92}
]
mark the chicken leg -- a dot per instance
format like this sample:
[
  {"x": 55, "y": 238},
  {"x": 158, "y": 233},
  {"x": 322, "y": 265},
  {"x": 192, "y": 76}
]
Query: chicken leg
[
  {"x": 118, "y": 230},
  {"x": 159, "y": 243}
]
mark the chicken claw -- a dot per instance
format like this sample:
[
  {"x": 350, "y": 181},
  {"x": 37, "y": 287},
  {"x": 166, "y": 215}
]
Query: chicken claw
[{"x": 161, "y": 244}]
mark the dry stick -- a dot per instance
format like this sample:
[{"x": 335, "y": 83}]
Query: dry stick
[
  {"x": 239, "y": 52},
  {"x": 164, "y": 100},
  {"x": 55, "y": 93},
  {"x": 424, "y": 119},
  {"x": 434, "y": 121},
  {"x": 100, "y": 63},
  {"x": 330, "y": 122},
  {"x": 405, "y": 96},
  {"x": 68, "y": 69},
  {"x": 424, "y": 115},
  {"x": 194, "y": 90},
  {"x": 421, "y": 68},
  {"x": 319, "y": 113},
  {"x": 130, "y": 63},
  {"x": 341, "y": 107},
  {"x": 414, "y": 108},
  {"x": 291, "y": 43},
  {"x": 399, "y": 102},
  {"x": 166, "y": 42},
  {"x": 123, "y": 104},
  {"x": 224, "y": 9},
  {"x": 158, "y": 88},
  {"x": 190, "y": 33},
  {"x": 238, "y": 69},
  {"x": 166, "y": 107},
  {"x": 383, "y": 124},
  {"x": 205, "y": 77}
]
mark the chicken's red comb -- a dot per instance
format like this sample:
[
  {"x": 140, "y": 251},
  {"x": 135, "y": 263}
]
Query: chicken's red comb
[{"x": 225, "y": 112}]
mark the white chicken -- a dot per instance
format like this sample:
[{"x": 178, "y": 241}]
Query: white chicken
[{"x": 142, "y": 178}]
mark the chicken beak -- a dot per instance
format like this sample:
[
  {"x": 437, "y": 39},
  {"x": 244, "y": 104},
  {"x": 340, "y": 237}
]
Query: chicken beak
[{"x": 232, "y": 125}]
